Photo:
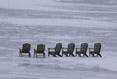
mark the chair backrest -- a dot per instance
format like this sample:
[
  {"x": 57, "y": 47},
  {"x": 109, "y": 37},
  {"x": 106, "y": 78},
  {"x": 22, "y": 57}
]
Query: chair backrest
[
  {"x": 97, "y": 47},
  {"x": 84, "y": 47},
  {"x": 71, "y": 47},
  {"x": 40, "y": 48},
  {"x": 58, "y": 48},
  {"x": 26, "y": 48}
]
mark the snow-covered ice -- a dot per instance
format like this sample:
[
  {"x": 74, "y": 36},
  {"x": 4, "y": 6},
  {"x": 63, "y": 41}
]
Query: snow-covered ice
[{"x": 53, "y": 21}]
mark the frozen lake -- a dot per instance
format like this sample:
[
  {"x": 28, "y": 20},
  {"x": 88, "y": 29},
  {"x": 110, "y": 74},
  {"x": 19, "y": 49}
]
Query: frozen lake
[{"x": 53, "y": 21}]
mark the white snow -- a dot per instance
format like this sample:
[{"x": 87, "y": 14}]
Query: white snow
[{"x": 53, "y": 21}]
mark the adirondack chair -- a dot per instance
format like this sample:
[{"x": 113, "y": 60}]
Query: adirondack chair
[
  {"x": 40, "y": 50},
  {"x": 25, "y": 49},
  {"x": 96, "y": 50},
  {"x": 55, "y": 51},
  {"x": 82, "y": 50},
  {"x": 69, "y": 50}
]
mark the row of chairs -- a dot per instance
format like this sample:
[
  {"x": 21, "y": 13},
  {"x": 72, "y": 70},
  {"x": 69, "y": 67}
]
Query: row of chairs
[{"x": 82, "y": 51}]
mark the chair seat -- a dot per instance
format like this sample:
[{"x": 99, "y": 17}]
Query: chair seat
[
  {"x": 64, "y": 52},
  {"x": 91, "y": 52},
  {"x": 51, "y": 52},
  {"x": 39, "y": 52},
  {"x": 79, "y": 52}
]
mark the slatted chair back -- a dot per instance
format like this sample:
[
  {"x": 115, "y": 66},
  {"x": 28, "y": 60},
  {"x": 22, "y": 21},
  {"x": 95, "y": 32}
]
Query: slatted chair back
[
  {"x": 58, "y": 48},
  {"x": 84, "y": 47},
  {"x": 71, "y": 47},
  {"x": 40, "y": 48},
  {"x": 97, "y": 47},
  {"x": 26, "y": 48}
]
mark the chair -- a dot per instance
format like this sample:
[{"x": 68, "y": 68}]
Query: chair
[
  {"x": 96, "y": 50},
  {"x": 82, "y": 50},
  {"x": 69, "y": 50},
  {"x": 55, "y": 51},
  {"x": 40, "y": 50},
  {"x": 25, "y": 49}
]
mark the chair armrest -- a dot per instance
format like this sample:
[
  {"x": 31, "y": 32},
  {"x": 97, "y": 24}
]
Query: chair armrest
[
  {"x": 20, "y": 50},
  {"x": 34, "y": 50},
  {"x": 51, "y": 49},
  {"x": 91, "y": 49},
  {"x": 64, "y": 49}
]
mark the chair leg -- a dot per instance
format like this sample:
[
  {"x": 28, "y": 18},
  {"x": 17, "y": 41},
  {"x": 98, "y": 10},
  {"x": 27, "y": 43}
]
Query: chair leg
[
  {"x": 93, "y": 55},
  {"x": 29, "y": 55},
  {"x": 48, "y": 54},
  {"x": 99, "y": 54},
  {"x": 54, "y": 55},
  {"x": 34, "y": 54},
  {"x": 62, "y": 54},
  {"x": 76, "y": 54},
  {"x": 67, "y": 54},
  {"x": 85, "y": 54},
  {"x": 79, "y": 54},
  {"x": 44, "y": 54},
  {"x": 59, "y": 55},
  {"x": 72, "y": 54},
  {"x": 20, "y": 54}
]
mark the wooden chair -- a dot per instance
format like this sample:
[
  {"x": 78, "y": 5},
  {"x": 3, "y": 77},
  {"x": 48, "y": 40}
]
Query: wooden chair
[
  {"x": 55, "y": 51},
  {"x": 40, "y": 50},
  {"x": 96, "y": 50},
  {"x": 69, "y": 50},
  {"x": 82, "y": 50},
  {"x": 25, "y": 49}
]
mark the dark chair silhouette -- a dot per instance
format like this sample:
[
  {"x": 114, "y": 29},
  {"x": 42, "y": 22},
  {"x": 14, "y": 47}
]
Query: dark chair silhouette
[
  {"x": 40, "y": 50},
  {"x": 82, "y": 50},
  {"x": 96, "y": 50},
  {"x": 55, "y": 51},
  {"x": 25, "y": 49},
  {"x": 68, "y": 51}
]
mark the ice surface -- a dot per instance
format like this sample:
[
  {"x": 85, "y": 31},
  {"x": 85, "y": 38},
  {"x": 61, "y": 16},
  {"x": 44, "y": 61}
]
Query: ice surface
[{"x": 53, "y": 21}]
